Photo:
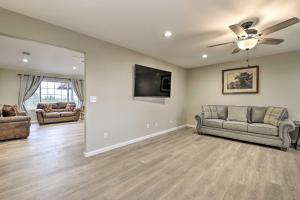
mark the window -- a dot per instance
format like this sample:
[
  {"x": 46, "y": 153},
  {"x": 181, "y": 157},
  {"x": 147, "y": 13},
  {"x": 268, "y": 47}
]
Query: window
[{"x": 52, "y": 92}]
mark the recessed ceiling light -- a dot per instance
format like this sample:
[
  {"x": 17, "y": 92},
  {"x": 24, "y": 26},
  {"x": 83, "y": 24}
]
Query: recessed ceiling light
[
  {"x": 204, "y": 56},
  {"x": 168, "y": 34},
  {"x": 25, "y": 60},
  {"x": 74, "y": 67}
]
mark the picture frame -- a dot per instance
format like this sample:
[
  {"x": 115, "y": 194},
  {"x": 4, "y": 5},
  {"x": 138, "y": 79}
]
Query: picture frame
[{"x": 244, "y": 80}]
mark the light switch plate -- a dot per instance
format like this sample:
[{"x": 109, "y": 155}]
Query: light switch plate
[{"x": 93, "y": 99}]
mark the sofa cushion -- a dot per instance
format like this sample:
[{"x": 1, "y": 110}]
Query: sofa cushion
[
  {"x": 59, "y": 110},
  {"x": 210, "y": 112},
  {"x": 274, "y": 115},
  {"x": 258, "y": 114},
  {"x": 265, "y": 129},
  {"x": 52, "y": 115},
  {"x": 217, "y": 123},
  {"x": 237, "y": 113},
  {"x": 67, "y": 114},
  {"x": 235, "y": 125},
  {"x": 222, "y": 112}
]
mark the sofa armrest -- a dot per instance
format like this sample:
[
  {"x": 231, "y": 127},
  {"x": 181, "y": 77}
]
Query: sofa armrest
[
  {"x": 199, "y": 118},
  {"x": 40, "y": 113},
  {"x": 285, "y": 127},
  {"x": 77, "y": 110},
  {"x": 14, "y": 119},
  {"x": 22, "y": 113}
]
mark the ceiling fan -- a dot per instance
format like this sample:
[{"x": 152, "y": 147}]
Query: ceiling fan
[{"x": 248, "y": 37}]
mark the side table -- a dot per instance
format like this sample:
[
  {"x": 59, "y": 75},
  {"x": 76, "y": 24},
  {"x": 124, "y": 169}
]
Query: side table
[{"x": 297, "y": 134}]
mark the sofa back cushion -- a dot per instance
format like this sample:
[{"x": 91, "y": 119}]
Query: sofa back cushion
[
  {"x": 210, "y": 112},
  {"x": 58, "y": 105},
  {"x": 274, "y": 115},
  {"x": 258, "y": 114},
  {"x": 238, "y": 113}
]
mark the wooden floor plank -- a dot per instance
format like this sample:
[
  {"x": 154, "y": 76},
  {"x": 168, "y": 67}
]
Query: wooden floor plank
[{"x": 178, "y": 165}]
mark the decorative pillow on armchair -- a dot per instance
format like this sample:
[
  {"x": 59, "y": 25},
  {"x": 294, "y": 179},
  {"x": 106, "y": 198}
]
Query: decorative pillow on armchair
[
  {"x": 210, "y": 112},
  {"x": 274, "y": 115},
  {"x": 70, "y": 107},
  {"x": 9, "y": 111}
]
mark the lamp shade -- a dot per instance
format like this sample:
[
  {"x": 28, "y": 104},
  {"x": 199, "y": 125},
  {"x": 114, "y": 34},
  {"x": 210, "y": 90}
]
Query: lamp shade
[{"x": 247, "y": 43}]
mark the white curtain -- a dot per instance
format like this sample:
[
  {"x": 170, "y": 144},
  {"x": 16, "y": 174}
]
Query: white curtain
[
  {"x": 79, "y": 90},
  {"x": 28, "y": 85}
]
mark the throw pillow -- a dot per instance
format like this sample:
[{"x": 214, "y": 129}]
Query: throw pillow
[
  {"x": 210, "y": 112},
  {"x": 258, "y": 114},
  {"x": 237, "y": 113},
  {"x": 8, "y": 111},
  {"x": 274, "y": 115},
  {"x": 222, "y": 112},
  {"x": 70, "y": 107},
  {"x": 48, "y": 108}
]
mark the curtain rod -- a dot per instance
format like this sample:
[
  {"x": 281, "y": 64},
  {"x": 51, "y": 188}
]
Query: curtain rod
[{"x": 47, "y": 76}]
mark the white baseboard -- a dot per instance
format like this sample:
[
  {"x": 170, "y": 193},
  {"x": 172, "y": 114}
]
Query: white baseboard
[
  {"x": 191, "y": 125},
  {"x": 115, "y": 146}
]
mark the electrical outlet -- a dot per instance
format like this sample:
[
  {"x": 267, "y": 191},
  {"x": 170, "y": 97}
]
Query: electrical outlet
[
  {"x": 171, "y": 121},
  {"x": 105, "y": 135},
  {"x": 155, "y": 124},
  {"x": 148, "y": 125}
]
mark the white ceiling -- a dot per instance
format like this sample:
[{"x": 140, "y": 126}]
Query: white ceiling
[
  {"x": 140, "y": 24},
  {"x": 44, "y": 58}
]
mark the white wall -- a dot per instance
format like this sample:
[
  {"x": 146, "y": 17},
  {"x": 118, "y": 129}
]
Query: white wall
[
  {"x": 279, "y": 85},
  {"x": 109, "y": 77},
  {"x": 9, "y": 86}
]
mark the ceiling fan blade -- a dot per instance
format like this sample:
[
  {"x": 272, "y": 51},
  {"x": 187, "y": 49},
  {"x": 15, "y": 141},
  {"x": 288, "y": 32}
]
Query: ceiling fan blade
[
  {"x": 280, "y": 26},
  {"x": 238, "y": 30},
  {"x": 215, "y": 45},
  {"x": 236, "y": 50},
  {"x": 270, "y": 41}
]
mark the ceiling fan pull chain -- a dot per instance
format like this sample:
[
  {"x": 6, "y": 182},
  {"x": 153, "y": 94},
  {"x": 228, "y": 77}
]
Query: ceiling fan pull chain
[{"x": 248, "y": 57}]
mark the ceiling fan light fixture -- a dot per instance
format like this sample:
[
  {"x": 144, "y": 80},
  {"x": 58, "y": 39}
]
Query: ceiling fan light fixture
[{"x": 247, "y": 43}]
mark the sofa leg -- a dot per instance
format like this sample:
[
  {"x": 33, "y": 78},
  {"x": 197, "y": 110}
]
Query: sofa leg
[{"x": 283, "y": 148}]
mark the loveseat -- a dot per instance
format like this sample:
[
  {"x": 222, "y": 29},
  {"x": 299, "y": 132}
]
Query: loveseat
[
  {"x": 263, "y": 125},
  {"x": 58, "y": 113},
  {"x": 14, "y": 126}
]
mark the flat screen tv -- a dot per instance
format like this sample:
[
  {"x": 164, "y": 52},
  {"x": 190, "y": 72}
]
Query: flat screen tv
[{"x": 150, "y": 82}]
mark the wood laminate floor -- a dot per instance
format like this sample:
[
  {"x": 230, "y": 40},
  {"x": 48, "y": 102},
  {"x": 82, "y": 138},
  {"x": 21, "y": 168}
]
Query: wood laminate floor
[{"x": 179, "y": 165}]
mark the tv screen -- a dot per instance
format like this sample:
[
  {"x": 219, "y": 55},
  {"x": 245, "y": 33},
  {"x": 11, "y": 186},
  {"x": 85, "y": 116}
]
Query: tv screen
[{"x": 150, "y": 82}]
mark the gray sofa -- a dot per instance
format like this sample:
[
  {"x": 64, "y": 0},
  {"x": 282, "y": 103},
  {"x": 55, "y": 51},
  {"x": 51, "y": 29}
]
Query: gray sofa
[{"x": 252, "y": 129}]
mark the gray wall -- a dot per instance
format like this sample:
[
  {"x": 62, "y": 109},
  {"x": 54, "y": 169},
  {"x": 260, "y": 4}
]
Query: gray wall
[
  {"x": 279, "y": 85},
  {"x": 109, "y": 77}
]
